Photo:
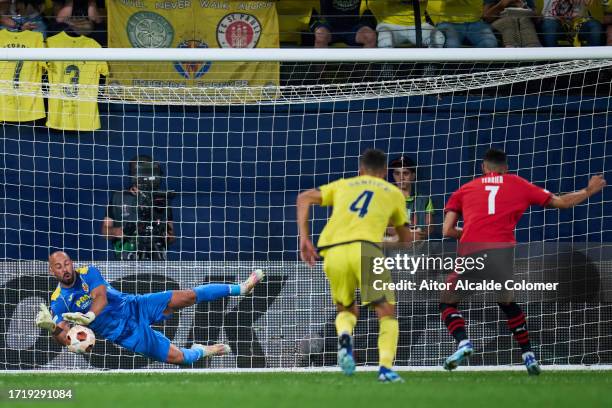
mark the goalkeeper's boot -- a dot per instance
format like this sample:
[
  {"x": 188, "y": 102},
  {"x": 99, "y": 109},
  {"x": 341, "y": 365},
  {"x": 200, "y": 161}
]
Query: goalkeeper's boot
[
  {"x": 387, "y": 375},
  {"x": 248, "y": 285},
  {"x": 214, "y": 350},
  {"x": 464, "y": 350},
  {"x": 533, "y": 367},
  {"x": 345, "y": 354}
]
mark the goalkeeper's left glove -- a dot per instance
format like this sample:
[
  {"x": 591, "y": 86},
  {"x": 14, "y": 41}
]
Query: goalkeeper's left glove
[
  {"x": 44, "y": 320},
  {"x": 80, "y": 318}
]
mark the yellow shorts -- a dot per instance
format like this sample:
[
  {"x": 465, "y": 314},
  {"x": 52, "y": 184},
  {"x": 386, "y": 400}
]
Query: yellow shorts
[{"x": 343, "y": 266}]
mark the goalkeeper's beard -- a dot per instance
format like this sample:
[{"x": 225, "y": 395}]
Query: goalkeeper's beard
[{"x": 68, "y": 278}]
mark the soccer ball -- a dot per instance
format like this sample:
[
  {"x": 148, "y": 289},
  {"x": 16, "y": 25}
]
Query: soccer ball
[{"x": 84, "y": 336}]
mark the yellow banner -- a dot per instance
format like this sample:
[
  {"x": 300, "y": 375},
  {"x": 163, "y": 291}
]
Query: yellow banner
[{"x": 193, "y": 24}]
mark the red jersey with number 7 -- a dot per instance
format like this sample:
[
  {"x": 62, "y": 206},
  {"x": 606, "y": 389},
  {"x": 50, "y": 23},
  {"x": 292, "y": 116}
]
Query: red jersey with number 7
[{"x": 492, "y": 205}]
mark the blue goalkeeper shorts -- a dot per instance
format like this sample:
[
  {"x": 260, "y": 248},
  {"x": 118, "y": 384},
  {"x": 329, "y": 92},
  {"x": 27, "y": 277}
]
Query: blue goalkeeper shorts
[{"x": 139, "y": 336}]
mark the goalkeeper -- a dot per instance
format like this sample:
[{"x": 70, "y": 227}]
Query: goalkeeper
[{"x": 84, "y": 297}]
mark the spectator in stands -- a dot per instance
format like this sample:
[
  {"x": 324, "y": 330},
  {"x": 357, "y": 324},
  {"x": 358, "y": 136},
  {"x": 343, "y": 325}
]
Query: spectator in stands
[
  {"x": 138, "y": 221},
  {"x": 396, "y": 24},
  {"x": 419, "y": 209},
  {"x": 461, "y": 20},
  {"x": 79, "y": 17},
  {"x": 19, "y": 15},
  {"x": 342, "y": 21},
  {"x": 514, "y": 21},
  {"x": 573, "y": 20}
]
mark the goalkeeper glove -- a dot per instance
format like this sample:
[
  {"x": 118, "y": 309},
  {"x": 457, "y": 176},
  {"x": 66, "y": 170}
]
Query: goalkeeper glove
[
  {"x": 44, "y": 320},
  {"x": 80, "y": 318}
]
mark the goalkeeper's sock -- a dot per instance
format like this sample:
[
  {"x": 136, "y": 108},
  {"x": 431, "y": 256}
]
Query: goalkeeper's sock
[
  {"x": 388, "y": 333},
  {"x": 214, "y": 291},
  {"x": 454, "y": 321},
  {"x": 192, "y": 355},
  {"x": 517, "y": 324},
  {"x": 345, "y": 323}
]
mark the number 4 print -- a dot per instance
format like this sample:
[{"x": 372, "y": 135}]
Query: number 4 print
[{"x": 366, "y": 197}]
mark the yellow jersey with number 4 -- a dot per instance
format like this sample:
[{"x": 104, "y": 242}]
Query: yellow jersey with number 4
[
  {"x": 363, "y": 208},
  {"x": 73, "y": 86},
  {"x": 20, "y": 81}
]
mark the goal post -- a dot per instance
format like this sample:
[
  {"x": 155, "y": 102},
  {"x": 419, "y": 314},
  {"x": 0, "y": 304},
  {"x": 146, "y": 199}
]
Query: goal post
[
  {"x": 464, "y": 55},
  {"x": 234, "y": 159}
]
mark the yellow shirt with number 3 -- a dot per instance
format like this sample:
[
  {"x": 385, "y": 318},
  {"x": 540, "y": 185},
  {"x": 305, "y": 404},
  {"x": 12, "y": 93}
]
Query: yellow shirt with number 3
[{"x": 73, "y": 89}]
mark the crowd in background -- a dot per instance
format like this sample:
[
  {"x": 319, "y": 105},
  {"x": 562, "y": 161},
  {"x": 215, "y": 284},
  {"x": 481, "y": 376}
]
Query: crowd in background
[
  {"x": 81, "y": 17},
  {"x": 457, "y": 23},
  {"x": 372, "y": 23}
]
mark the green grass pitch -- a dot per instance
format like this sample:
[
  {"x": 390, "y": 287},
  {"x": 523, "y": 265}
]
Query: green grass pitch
[{"x": 497, "y": 389}]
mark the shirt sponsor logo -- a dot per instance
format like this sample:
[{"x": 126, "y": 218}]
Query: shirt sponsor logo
[{"x": 83, "y": 301}]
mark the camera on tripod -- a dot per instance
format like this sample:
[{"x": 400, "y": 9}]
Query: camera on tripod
[
  {"x": 152, "y": 205},
  {"x": 143, "y": 213}
]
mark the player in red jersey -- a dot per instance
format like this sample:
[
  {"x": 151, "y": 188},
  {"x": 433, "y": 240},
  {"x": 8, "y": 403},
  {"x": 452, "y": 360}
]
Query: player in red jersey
[{"x": 491, "y": 206}]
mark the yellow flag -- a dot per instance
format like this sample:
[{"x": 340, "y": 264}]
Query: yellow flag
[{"x": 193, "y": 24}]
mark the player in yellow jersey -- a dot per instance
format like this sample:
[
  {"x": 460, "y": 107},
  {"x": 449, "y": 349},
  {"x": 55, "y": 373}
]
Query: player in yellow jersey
[{"x": 363, "y": 208}]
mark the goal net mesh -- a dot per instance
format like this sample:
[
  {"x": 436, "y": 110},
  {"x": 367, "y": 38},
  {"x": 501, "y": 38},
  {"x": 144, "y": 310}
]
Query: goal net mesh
[{"x": 235, "y": 159}]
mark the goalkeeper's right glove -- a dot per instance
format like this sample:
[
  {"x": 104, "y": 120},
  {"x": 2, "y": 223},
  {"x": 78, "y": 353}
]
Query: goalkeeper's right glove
[{"x": 44, "y": 320}]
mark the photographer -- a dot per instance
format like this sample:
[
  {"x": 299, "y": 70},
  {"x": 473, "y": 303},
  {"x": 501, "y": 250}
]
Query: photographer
[{"x": 138, "y": 221}]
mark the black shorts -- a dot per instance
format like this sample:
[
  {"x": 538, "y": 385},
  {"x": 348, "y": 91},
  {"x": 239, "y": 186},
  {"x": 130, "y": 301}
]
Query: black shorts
[{"x": 498, "y": 268}]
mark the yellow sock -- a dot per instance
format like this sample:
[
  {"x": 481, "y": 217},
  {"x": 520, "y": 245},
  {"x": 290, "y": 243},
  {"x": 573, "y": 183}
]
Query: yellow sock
[
  {"x": 345, "y": 322},
  {"x": 388, "y": 333}
]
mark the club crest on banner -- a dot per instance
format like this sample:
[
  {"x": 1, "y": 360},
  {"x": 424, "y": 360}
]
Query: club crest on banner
[
  {"x": 238, "y": 30},
  {"x": 195, "y": 69},
  {"x": 146, "y": 29}
]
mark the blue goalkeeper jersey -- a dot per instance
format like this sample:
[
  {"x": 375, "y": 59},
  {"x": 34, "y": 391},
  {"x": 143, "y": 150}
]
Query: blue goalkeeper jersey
[{"x": 111, "y": 322}]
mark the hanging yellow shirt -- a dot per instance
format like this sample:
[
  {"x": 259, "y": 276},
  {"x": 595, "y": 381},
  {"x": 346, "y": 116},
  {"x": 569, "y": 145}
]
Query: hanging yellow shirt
[
  {"x": 363, "y": 208},
  {"x": 73, "y": 87},
  {"x": 455, "y": 11},
  {"x": 20, "y": 81},
  {"x": 397, "y": 12}
]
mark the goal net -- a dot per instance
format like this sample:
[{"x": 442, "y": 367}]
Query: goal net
[{"x": 232, "y": 159}]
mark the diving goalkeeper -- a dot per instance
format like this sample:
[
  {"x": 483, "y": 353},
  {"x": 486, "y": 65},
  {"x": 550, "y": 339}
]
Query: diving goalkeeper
[{"x": 84, "y": 297}]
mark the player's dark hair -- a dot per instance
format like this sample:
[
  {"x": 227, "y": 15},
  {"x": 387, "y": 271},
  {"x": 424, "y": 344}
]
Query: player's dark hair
[
  {"x": 373, "y": 159},
  {"x": 496, "y": 157}
]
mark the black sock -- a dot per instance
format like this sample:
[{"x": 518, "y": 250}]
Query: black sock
[
  {"x": 453, "y": 320},
  {"x": 517, "y": 324}
]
